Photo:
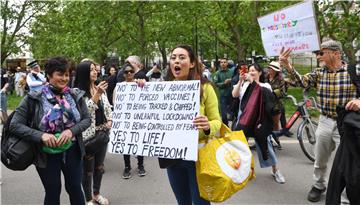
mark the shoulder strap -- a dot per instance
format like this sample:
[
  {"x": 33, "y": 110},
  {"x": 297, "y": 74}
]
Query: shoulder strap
[
  {"x": 354, "y": 78},
  {"x": 31, "y": 108},
  {"x": 29, "y": 120}
]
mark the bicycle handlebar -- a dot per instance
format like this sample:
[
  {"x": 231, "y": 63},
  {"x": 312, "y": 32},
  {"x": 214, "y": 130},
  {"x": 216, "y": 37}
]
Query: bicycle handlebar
[
  {"x": 313, "y": 101},
  {"x": 293, "y": 99}
]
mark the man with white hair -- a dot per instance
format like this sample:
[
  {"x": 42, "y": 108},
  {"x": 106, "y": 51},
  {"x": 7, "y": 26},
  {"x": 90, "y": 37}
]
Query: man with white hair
[
  {"x": 35, "y": 79},
  {"x": 334, "y": 88},
  {"x": 135, "y": 62}
]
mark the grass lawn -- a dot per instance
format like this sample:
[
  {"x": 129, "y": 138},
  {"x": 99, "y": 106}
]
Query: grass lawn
[
  {"x": 13, "y": 101},
  {"x": 290, "y": 108}
]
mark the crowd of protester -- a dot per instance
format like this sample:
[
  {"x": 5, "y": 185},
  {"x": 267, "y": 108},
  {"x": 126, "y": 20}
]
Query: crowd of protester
[{"x": 84, "y": 97}]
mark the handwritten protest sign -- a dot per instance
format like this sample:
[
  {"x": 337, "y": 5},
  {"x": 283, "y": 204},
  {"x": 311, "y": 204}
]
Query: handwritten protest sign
[
  {"x": 156, "y": 120},
  {"x": 293, "y": 27}
]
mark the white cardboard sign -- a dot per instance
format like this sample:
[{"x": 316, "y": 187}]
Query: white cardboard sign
[
  {"x": 292, "y": 27},
  {"x": 156, "y": 120}
]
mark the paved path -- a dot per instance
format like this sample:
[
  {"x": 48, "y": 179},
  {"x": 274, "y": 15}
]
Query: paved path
[{"x": 25, "y": 187}]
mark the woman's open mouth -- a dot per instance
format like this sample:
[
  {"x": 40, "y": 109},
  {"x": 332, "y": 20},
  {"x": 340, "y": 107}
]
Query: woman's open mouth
[{"x": 177, "y": 70}]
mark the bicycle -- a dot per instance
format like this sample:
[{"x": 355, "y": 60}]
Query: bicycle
[{"x": 306, "y": 131}]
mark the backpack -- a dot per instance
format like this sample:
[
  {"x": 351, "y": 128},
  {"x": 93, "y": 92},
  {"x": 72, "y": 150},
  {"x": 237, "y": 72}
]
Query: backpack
[{"x": 17, "y": 153}]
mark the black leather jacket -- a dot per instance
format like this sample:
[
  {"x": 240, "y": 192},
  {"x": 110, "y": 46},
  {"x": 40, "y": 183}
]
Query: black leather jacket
[{"x": 18, "y": 123}]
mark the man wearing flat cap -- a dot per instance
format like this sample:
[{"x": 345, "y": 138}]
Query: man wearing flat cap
[
  {"x": 334, "y": 88},
  {"x": 35, "y": 80}
]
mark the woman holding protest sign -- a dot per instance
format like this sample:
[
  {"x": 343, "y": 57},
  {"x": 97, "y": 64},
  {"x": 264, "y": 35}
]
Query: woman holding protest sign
[
  {"x": 59, "y": 116},
  {"x": 101, "y": 115},
  {"x": 182, "y": 174}
]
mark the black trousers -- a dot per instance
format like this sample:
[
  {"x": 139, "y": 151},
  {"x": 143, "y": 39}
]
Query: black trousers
[
  {"x": 93, "y": 172},
  {"x": 127, "y": 160}
]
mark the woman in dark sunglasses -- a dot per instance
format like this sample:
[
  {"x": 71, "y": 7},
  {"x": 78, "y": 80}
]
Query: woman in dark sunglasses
[{"x": 129, "y": 73}]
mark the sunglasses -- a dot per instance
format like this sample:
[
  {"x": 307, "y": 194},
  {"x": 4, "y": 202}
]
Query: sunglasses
[
  {"x": 320, "y": 53},
  {"x": 128, "y": 71}
]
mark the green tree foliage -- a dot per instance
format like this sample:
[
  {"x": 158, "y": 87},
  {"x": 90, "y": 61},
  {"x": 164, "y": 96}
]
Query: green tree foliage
[
  {"x": 340, "y": 20},
  {"x": 92, "y": 29},
  {"x": 77, "y": 29},
  {"x": 15, "y": 18}
]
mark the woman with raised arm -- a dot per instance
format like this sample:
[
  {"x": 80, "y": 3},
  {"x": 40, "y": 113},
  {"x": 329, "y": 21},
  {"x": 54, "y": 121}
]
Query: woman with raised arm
[
  {"x": 246, "y": 91},
  {"x": 101, "y": 116}
]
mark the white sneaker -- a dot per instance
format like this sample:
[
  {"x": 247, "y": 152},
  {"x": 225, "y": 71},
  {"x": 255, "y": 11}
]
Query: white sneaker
[
  {"x": 279, "y": 178},
  {"x": 91, "y": 203},
  {"x": 101, "y": 200}
]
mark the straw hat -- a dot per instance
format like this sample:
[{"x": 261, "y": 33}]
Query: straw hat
[{"x": 275, "y": 66}]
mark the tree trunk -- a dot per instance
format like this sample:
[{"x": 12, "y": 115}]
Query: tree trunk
[
  {"x": 142, "y": 36},
  {"x": 240, "y": 53},
  {"x": 162, "y": 50},
  {"x": 351, "y": 55}
]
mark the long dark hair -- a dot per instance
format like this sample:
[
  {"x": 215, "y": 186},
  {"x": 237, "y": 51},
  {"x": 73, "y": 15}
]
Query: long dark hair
[
  {"x": 259, "y": 69},
  {"x": 278, "y": 75},
  {"x": 195, "y": 73},
  {"x": 82, "y": 77}
]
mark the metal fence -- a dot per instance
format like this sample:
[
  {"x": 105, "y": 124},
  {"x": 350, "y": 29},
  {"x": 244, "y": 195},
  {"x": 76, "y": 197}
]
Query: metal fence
[{"x": 305, "y": 61}]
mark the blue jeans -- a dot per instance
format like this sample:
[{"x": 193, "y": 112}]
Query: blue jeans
[
  {"x": 183, "y": 182},
  {"x": 3, "y": 102},
  {"x": 225, "y": 103},
  {"x": 272, "y": 160},
  {"x": 70, "y": 163}
]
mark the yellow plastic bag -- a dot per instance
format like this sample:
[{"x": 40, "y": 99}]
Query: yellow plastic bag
[{"x": 225, "y": 165}]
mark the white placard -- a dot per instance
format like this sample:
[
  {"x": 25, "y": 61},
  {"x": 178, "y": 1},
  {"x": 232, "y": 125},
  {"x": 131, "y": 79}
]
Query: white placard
[
  {"x": 156, "y": 120},
  {"x": 293, "y": 27}
]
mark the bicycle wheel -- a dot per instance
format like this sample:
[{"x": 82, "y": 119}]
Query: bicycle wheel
[{"x": 307, "y": 139}]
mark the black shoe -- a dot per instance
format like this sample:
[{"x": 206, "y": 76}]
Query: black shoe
[
  {"x": 252, "y": 146},
  {"x": 288, "y": 134},
  {"x": 277, "y": 145},
  {"x": 126, "y": 173},
  {"x": 315, "y": 194},
  {"x": 141, "y": 171}
]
